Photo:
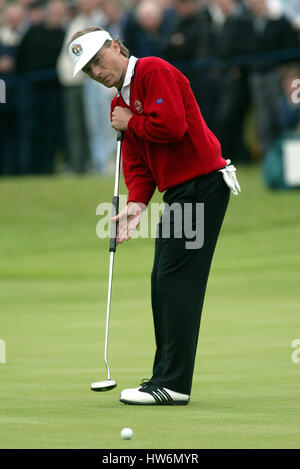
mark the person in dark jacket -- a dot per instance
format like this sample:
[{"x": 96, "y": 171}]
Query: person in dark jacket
[
  {"x": 210, "y": 23},
  {"x": 144, "y": 27},
  {"x": 290, "y": 99},
  {"x": 181, "y": 42},
  {"x": 40, "y": 108},
  {"x": 10, "y": 36},
  {"x": 232, "y": 101},
  {"x": 270, "y": 37}
]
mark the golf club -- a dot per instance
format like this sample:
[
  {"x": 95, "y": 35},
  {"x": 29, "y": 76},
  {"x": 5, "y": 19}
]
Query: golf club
[{"x": 109, "y": 384}]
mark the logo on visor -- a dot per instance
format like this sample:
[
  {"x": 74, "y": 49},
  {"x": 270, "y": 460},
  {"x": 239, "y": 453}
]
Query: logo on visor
[{"x": 77, "y": 49}]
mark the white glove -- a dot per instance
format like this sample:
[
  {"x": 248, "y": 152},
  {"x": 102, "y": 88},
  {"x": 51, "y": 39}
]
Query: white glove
[{"x": 230, "y": 177}]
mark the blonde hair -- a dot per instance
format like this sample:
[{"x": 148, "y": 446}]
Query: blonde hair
[{"x": 91, "y": 29}]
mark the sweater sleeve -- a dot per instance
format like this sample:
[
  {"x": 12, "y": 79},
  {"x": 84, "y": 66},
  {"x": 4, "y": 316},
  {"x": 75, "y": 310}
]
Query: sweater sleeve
[
  {"x": 164, "y": 117},
  {"x": 138, "y": 178}
]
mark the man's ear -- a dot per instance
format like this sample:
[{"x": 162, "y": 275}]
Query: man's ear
[{"x": 116, "y": 46}]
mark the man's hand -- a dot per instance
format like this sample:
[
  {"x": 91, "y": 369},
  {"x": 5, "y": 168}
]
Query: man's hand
[
  {"x": 128, "y": 220},
  {"x": 120, "y": 118}
]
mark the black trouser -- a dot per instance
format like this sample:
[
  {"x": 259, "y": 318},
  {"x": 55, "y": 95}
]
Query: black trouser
[{"x": 179, "y": 279}]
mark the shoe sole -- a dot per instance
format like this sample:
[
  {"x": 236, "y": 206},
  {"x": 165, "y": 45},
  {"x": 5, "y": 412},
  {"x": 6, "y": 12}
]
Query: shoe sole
[{"x": 154, "y": 403}]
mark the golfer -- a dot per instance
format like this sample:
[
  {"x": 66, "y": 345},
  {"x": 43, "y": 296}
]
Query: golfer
[{"x": 166, "y": 145}]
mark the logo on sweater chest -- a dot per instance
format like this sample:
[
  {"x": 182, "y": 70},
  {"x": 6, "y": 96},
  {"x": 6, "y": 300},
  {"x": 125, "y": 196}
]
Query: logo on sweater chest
[{"x": 138, "y": 106}]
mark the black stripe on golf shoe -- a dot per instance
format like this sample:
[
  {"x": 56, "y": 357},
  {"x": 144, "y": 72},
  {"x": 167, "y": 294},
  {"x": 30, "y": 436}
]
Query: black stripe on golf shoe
[
  {"x": 160, "y": 395},
  {"x": 163, "y": 394}
]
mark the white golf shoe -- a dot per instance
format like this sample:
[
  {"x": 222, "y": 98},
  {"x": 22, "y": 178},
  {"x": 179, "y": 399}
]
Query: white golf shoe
[{"x": 150, "y": 394}]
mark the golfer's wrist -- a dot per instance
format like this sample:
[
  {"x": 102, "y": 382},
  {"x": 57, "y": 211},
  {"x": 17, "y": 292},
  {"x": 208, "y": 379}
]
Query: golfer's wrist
[{"x": 140, "y": 205}]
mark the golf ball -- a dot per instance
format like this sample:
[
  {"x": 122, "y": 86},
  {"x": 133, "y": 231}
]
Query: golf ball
[{"x": 126, "y": 433}]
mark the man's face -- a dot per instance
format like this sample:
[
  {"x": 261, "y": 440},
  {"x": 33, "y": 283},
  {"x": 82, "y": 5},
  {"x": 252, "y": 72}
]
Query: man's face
[
  {"x": 186, "y": 8},
  {"x": 107, "y": 66},
  {"x": 226, "y": 6},
  {"x": 257, "y": 7}
]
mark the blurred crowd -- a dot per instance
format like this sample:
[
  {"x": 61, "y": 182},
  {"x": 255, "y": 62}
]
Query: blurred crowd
[{"x": 241, "y": 57}]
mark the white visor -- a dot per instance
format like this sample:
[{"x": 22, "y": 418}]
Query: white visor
[{"x": 83, "y": 49}]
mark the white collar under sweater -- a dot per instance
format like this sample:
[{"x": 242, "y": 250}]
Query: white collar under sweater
[{"x": 125, "y": 91}]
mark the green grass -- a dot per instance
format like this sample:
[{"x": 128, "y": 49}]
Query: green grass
[{"x": 53, "y": 287}]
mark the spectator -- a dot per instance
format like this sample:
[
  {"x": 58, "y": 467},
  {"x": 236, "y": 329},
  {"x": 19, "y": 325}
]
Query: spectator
[
  {"x": 77, "y": 142},
  {"x": 211, "y": 21},
  {"x": 35, "y": 12},
  {"x": 291, "y": 9},
  {"x": 114, "y": 17},
  {"x": 14, "y": 25},
  {"x": 2, "y": 10},
  {"x": 24, "y": 95},
  {"x": 274, "y": 161},
  {"x": 232, "y": 99},
  {"x": 290, "y": 100},
  {"x": 143, "y": 29},
  {"x": 183, "y": 40},
  {"x": 269, "y": 33},
  {"x": 10, "y": 36},
  {"x": 96, "y": 101},
  {"x": 40, "y": 100}
]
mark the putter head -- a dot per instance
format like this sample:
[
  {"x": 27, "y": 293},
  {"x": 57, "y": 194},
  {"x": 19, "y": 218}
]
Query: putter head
[{"x": 101, "y": 386}]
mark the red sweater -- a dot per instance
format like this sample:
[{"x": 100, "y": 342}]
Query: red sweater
[{"x": 167, "y": 141}]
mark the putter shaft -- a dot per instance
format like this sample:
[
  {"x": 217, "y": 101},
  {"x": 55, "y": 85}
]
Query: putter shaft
[
  {"x": 113, "y": 243},
  {"x": 111, "y": 267}
]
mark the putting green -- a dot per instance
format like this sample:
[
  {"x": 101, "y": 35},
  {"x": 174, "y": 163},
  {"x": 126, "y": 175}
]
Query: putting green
[{"x": 53, "y": 287}]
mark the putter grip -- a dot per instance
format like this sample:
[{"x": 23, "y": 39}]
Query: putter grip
[
  {"x": 120, "y": 135},
  {"x": 113, "y": 227}
]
